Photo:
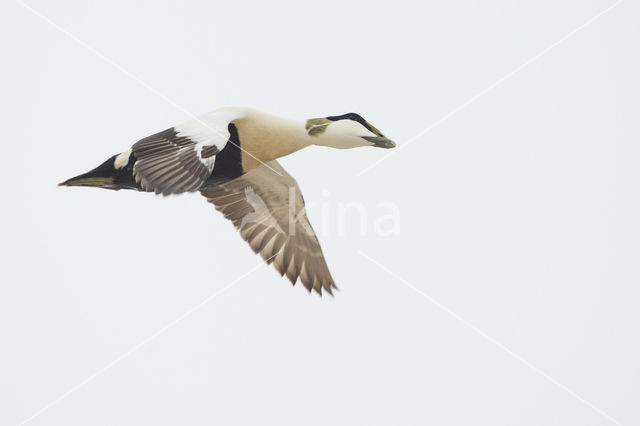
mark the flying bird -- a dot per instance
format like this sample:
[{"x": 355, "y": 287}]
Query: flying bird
[{"x": 229, "y": 156}]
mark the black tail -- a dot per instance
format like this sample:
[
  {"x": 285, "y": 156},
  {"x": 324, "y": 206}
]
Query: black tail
[{"x": 107, "y": 176}]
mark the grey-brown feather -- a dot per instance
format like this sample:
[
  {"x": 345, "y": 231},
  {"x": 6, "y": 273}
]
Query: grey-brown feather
[
  {"x": 298, "y": 255},
  {"x": 169, "y": 164}
]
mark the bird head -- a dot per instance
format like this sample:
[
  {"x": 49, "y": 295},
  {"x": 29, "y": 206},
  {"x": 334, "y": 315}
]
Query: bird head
[{"x": 346, "y": 131}]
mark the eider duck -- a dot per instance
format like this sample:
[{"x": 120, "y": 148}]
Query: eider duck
[{"x": 229, "y": 156}]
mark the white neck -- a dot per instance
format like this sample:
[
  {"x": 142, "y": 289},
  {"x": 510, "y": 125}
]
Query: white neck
[{"x": 265, "y": 137}]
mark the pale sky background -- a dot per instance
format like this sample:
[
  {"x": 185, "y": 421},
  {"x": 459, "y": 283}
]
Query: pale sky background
[{"x": 518, "y": 217}]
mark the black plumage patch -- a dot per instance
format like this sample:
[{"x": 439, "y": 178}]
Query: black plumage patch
[
  {"x": 105, "y": 169},
  {"x": 123, "y": 177},
  {"x": 228, "y": 161}
]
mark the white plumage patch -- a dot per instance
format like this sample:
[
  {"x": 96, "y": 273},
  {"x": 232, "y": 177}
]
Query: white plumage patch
[
  {"x": 208, "y": 130},
  {"x": 122, "y": 159}
]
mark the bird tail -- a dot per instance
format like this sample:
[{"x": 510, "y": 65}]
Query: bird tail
[
  {"x": 102, "y": 176},
  {"x": 107, "y": 176}
]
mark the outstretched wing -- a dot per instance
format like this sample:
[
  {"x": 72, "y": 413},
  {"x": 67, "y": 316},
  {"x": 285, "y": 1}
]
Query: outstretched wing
[
  {"x": 180, "y": 159},
  {"x": 269, "y": 212}
]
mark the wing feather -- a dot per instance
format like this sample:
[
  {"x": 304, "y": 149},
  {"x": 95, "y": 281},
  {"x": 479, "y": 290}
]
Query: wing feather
[
  {"x": 257, "y": 203},
  {"x": 182, "y": 158}
]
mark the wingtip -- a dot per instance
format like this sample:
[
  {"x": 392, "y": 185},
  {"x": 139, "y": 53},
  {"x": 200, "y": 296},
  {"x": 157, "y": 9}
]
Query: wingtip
[{"x": 330, "y": 288}]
